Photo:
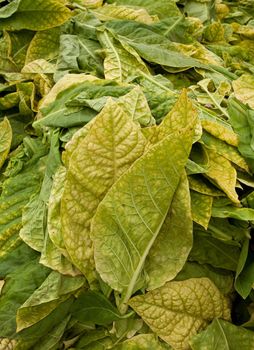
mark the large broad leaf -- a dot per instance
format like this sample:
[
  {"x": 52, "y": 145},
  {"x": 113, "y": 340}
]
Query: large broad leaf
[
  {"x": 5, "y": 140},
  {"x": 54, "y": 290},
  {"x": 244, "y": 89},
  {"x": 43, "y": 14},
  {"x": 112, "y": 144},
  {"x": 129, "y": 219},
  {"x": 178, "y": 310},
  {"x": 150, "y": 45},
  {"x": 223, "y": 335}
]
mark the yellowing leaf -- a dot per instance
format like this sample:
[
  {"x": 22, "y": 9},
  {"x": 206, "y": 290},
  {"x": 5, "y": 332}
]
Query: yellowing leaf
[
  {"x": 181, "y": 115},
  {"x": 44, "y": 45},
  {"x": 244, "y": 89},
  {"x": 225, "y": 150},
  {"x": 222, "y": 172},
  {"x": 112, "y": 144},
  {"x": 54, "y": 208},
  {"x": 7, "y": 344},
  {"x": 136, "y": 106},
  {"x": 36, "y": 15},
  {"x": 130, "y": 217},
  {"x": 201, "y": 185},
  {"x": 5, "y": 140},
  {"x": 110, "y": 12},
  {"x": 201, "y": 208},
  {"x": 92, "y": 3},
  {"x": 120, "y": 64},
  {"x": 55, "y": 289},
  {"x": 174, "y": 242},
  {"x": 178, "y": 310},
  {"x": 220, "y": 131},
  {"x": 2, "y": 282}
]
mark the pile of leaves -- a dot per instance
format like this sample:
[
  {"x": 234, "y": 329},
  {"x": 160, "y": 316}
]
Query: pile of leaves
[{"x": 126, "y": 181}]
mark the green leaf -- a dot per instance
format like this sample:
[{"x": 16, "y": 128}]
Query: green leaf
[
  {"x": 201, "y": 208},
  {"x": 244, "y": 90},
  {"x": 169, "y": 253},
  {"x": 112, "y": 144},
  {"x": 54, "y": 109},
  {"x": 5, "y": 140},
  {"x": 204, "y": 10},
  {"x": 94, "y": 307},
  {"x": 150, "y": 45},
  {"x": 209, "y": 250},
  {"x": 244, "y": 272},
  {"x": 129, "y": 218},
  {"x": 178, "y": 310},
  {"x": 241, "y": 118},
  {"x": 78, "y": 54},
  {"x": 223, "y": 335},
  {"x": 54, "y": 290},
  {"x": 43, "y": 14},
  {"x": 19, "y": 266},
  {"x": 35, "y": 212},
  {"x": 52, "y": 339}
]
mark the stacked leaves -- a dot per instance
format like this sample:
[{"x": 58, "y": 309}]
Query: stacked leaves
[{"x": 126, "y": 173}]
